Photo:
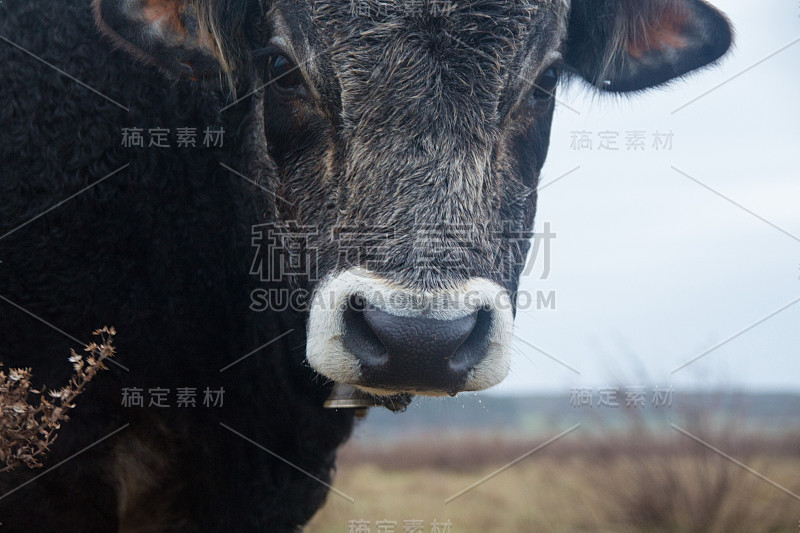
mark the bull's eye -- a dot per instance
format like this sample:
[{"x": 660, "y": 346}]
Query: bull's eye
[
  {"x": 284, "y": 74},
  {"x": 545, "y": 86}
]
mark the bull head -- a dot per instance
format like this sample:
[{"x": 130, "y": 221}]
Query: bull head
[{"x": 418, "y": 128}]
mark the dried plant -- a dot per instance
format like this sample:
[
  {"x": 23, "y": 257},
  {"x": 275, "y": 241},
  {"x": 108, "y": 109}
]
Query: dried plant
[{"x": 28, "y": 427}]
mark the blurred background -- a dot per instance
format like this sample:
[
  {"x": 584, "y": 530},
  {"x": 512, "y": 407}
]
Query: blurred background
[{"x": 655, "y": 384}]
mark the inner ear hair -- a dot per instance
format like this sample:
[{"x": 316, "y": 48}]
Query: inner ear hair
[
  {"x": 167, "y": 15},
  {"x": 632, "y": 45},
  {"x": 178, "y": 36},
  {"x": 641, "y": 27},
  {"x": 656, "y": 26}
]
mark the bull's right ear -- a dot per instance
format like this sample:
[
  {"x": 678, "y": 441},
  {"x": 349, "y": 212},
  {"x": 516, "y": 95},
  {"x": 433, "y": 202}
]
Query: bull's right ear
[
  {"x": 630, "y": 45},
  {"x": 166, "y": 33}
]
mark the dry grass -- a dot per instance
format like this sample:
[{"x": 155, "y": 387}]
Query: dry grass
[
  {"x": 639, "y": 483},
  {"x": 29, "y": 419}
]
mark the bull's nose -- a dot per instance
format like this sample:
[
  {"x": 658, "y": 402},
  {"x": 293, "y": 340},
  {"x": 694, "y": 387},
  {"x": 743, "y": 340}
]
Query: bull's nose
[{"x": 416, "y": 352}]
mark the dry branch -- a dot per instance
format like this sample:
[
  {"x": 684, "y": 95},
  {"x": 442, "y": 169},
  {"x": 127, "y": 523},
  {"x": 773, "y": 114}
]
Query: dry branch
[{"x": 29, "y": 427}]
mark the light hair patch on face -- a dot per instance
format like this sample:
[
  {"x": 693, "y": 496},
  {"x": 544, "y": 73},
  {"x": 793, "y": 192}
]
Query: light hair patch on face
[{"x": 328, "y": 355}]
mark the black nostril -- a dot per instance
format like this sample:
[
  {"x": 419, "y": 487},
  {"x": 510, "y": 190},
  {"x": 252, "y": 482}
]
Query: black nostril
[
  {"x": 474, "y": 347},
  {"x": 415, "y": 352},
  {"x": 360, "y": 338}
]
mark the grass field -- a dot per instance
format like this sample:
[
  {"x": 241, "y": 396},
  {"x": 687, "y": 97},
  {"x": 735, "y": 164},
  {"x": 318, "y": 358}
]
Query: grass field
[{"x": 634, "y": 483}]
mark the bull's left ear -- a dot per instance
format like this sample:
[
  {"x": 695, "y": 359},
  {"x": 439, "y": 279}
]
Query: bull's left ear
[
  {"x": 167, "y": 33},
  {"x": 630, "y": 45}
]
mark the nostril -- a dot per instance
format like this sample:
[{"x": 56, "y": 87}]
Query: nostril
[
  {"x": 415, "y": 352},
  {"x": 360, "y": 338},
  {"x": 476, "y": 345}
]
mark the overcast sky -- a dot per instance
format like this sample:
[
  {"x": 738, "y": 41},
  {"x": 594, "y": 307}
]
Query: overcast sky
[{"x": 649, "y": 268}]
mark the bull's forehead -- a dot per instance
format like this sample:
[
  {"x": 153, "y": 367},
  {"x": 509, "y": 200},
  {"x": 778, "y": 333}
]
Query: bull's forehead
[{"x": 445, "y": 62}]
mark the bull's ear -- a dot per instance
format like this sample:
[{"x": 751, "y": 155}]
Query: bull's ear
[
  {"x": 166, "y": 33},
  {"x": 629, "y": 45}
]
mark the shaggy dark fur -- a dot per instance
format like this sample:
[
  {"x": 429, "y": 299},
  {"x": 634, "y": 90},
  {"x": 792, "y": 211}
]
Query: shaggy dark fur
[{"x": 161, "y": 251}]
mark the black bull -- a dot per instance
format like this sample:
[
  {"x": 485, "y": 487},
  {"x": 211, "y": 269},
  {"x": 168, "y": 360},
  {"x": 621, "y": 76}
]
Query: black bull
[{"x": 416, "y": 129}]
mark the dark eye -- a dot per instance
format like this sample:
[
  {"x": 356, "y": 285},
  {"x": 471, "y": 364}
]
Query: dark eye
[
  {"x": 284, "y": 74},
  {"x": 545, "y": 86}
]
